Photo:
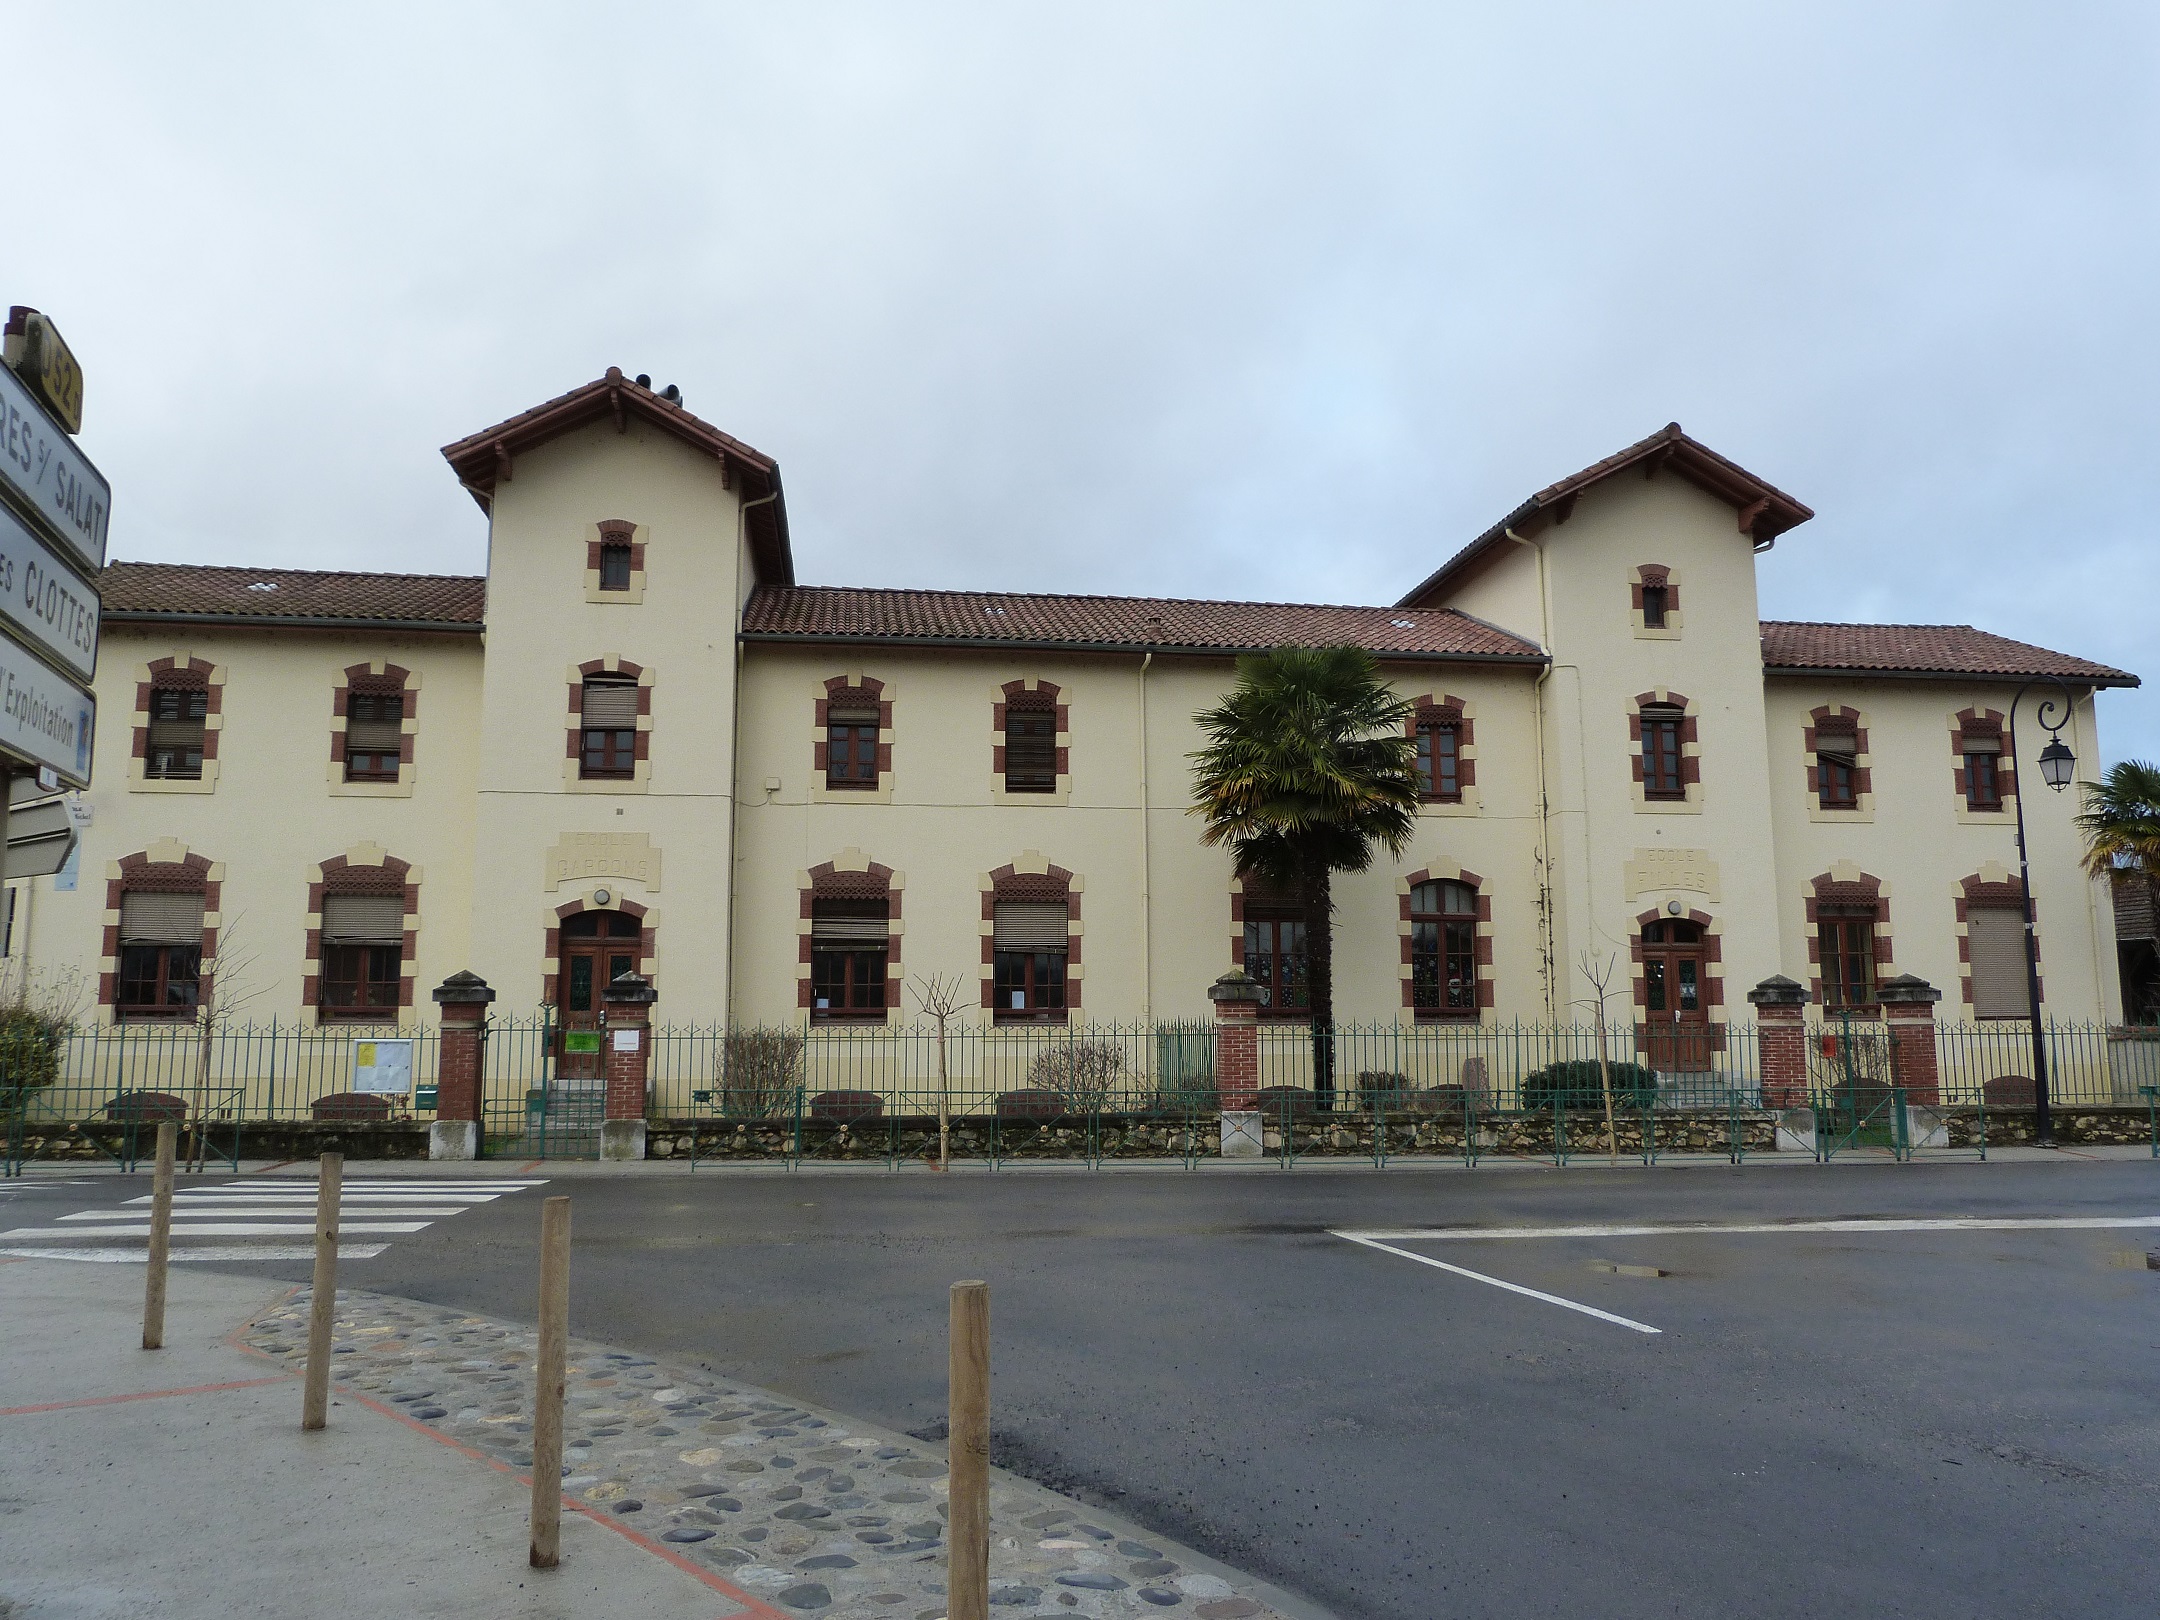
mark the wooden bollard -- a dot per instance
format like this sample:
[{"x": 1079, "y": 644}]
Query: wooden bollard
[
  {"x": 153, "y": 1310},
  {"x": 548, "y": 1381},
  {"x": 322, "y": 1310},
  {"x": 967, "y": 1584}
]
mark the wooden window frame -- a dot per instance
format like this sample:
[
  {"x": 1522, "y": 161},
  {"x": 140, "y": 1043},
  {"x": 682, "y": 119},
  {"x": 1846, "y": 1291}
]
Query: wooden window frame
[
  {"x": 1658, "y": 723},
  {"x": 1050, "y": 885},
  {"x": 1834, "y": 901},
  {"x": 192, "y": 695},
  {"x": 850, "y": 1010},
  {"x": 857, "y": 695},
  {"x": 1039, "y": 711},
  {"x": 851, "y": 878},
  {"x": 164, "y": 868},
  {"x": 1276, "y": 915},
  {"x": 1441, "y": 942}
]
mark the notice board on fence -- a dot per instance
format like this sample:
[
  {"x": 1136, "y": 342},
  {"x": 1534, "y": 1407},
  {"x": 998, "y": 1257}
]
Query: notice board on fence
[{"x": 382, "y": 1067}]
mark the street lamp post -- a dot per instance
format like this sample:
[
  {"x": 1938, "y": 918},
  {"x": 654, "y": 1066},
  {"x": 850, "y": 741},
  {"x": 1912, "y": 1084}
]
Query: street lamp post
[{"x": 2057, "y": 765}]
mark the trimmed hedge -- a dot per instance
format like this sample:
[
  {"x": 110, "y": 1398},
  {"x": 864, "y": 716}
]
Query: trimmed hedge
[{"x": 1577, "y": 1084}]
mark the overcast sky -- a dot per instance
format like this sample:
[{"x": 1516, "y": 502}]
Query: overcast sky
[{"x": 1252, "y": 300}]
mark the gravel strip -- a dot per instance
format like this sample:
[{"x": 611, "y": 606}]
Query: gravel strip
[{"x": 810, "y": 1511}]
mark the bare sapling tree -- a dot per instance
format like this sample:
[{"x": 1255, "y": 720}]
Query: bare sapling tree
[
  {"x": 228, "y": 985},
  {"x": 1600, "y": 975},
  {"x": 940, "y": 1000}
]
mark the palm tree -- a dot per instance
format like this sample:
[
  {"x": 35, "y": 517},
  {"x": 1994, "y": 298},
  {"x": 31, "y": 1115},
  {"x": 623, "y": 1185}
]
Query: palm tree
[
  {"x": 1307, "y": 768},
  {"x": 2121, "y": 824}
]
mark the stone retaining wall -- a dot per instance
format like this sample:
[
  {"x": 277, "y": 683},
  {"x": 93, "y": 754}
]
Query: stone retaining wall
[
  {"x": 2013, "y": 1127},
  {"x": 274, "y": 1140}
]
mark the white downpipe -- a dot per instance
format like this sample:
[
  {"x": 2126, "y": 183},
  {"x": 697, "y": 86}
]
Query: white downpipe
[
  {"x": 1147, "y": 869},
  {"x": 1545, "y": 871},
  {"x": 735, "y": 808}
]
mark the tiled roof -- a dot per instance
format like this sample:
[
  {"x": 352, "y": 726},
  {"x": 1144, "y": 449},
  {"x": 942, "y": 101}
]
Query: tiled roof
[
  {"x": 141, "y": 590},
  {"x": 1922, "y": 649},
  {"x": 945, "y": 618}
]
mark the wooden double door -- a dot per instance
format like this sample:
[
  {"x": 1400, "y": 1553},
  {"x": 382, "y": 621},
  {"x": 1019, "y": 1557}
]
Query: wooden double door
[
  {"x": 598, "y": 947},
  {"x": 1675, "y": 1036}
]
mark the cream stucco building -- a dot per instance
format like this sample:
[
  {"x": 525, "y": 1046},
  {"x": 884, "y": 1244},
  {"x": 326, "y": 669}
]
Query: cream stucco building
[{"x": 639, "y": 742}]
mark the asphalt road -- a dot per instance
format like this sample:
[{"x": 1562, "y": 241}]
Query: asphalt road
[{"x": 1957, "y": 1423}]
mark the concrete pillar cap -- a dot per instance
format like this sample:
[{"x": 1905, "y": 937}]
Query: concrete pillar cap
[
  {"x": 1779, "y": 991},
  {"x": 463, "y": 987},
  {"x": 631, "y": 989},
  {"x": 1908, "y": 989},
  {"x": 1234, "y": 986}
]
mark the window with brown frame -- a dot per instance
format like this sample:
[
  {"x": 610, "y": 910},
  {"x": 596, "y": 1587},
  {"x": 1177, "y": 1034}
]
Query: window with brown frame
[
  {"x": 1278, "y": 957},
  {"x": 363, "y": 955},
  {"x": 1443, "y": 950},
  {"x": 1845, "y": 941},
  {"x": 851, "y": 746},
  {"x": 178, "y": 721},
  {"x": 1031, "y": 946},
  {"x": 1661, "y": 772},
  {"x": 608, "y": 721},
  {"x": 850, "y": 944},
  {"x": 1837, "y": 755},
  {"x": 160, "y": 966},
  {"x": 615, "y": 565},
  {"x": 374, "y": 727},
  {"x": 1983, "y": 778},
  {"x": 1439, "y": 761},
  {"x": 1654, "y": 602},
  {"x": 1030, "y": 748}
]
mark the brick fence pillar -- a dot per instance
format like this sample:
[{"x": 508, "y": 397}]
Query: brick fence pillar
[
  {"x": 464, "y": 999},
  {"x": 628, "y": 1043},
  {"x": 1237, "y": 1062},
  {"x": 1781, "y": 1040},
  {"x": 1908, "y": 1004}
]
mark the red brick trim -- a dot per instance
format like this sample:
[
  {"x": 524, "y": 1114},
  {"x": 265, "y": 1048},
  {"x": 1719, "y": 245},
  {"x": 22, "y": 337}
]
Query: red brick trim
[
  {"x": 192, "y": 675},
  {"x": 1045, "y": 888},
  {"x": 865, "y": 694},
  {"x": 551, "y": 943},
  {"x": 828, "y": 882},
  {"x": 1867, "y": 891},
  {"x": 1713, "y": 988},
  {"x": 1977, "y": 891},
  {"x": 142, "y": 875},
  {"x": 1822, "y": 723},
  {"x": 340, "y": 877},
  {"x": 615, "y": 531},
  {"x": 641, "y": 748},
  {"x": 1978, "y": 722},
  {"x": 1690, "y": 764},
  {"x": 1482, "y": 951},
  {"x": 1428, "y": 711},
  {"x": 1045, "y": 696},
  {"x": 1654, "y": 574},
  {"x": 361, "y": 678}
]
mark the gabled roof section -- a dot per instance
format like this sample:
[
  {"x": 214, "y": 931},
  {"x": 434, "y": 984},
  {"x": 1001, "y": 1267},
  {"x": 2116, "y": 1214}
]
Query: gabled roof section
[
  {"x": 482, "y": 459},
  {"x": 1923, "y": 651},
  {"x": 822, "y": 613},
  {"x": 1764, "y": 511},
  {"x": 180, "y": 593}
]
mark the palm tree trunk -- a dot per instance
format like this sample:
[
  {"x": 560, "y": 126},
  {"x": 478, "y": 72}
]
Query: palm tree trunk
[{"x": 1320, "y": 982}]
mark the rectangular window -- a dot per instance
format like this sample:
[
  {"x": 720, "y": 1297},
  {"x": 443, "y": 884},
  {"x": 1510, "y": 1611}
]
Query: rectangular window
[
  {"x": 609, "y": 723},
  {"x": 178, "y": 719},
  {"x": 1654, "y": 598},
  {"x": 851, "y": 747},
  {"x": 1276, "y": 956},
  {"x": 363, "y": 954},
  {"x": 160, "y": 954},
  {"x": 1983, "y": 781},
  {"x": 374, "y": 726},
  {"x": 1845, "y": 941},
  {"x": 1661, "y": 754},
  {"x": 1836, "y": 753},
  {"x": 615, "y": 565},
  {"x": 1995, "y": 949},
  {"x": 1439, "y": 762},
  {"x": 1030, "y": 943},
  {"x": 850, "y": 942},
  {"x": 1030, "y": 751}
]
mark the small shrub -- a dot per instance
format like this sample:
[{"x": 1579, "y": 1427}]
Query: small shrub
[
  {"x": 37, "y": 1011},
  {"x": 1578, "y": 1084},
  {"x": 759, "y": 1072},
  {"x": 1381, "y": 1087},
  {"x": 1083, "y": 1073}
]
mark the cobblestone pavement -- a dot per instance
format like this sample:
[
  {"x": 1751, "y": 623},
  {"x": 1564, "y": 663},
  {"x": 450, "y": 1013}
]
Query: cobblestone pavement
[{"x": 807, "y": 1510}]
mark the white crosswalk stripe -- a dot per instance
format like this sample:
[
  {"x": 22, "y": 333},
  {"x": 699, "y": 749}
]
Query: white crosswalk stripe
[{"x": 230, "y": 1220}]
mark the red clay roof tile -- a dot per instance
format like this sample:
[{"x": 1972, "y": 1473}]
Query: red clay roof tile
[
  {"x": 141, "y": 590},
  {"x": 1922, "y": 649}
]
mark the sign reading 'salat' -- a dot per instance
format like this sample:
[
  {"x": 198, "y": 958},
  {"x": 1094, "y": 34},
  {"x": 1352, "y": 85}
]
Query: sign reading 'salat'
[{"x": 52, "y": 479}]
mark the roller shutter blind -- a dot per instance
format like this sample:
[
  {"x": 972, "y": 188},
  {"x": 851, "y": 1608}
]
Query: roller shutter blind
[
  {"x": 611, "y": 705},
  {"x": 363, "y": 919},
  {"x": 374, "y": 722},
  {"x": 1030, "y": 926},
  {"x": 161, "y": 919},
  {"x": 1995, "y": 946}
]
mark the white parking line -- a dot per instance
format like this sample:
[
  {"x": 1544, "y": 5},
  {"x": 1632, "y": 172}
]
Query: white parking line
[
  {"x": 206, "y": 1229},
  {"x": 1513, "y": 1288},
  {"x": 219, "y": 1209},
  {"x": 1974, "y": 1223},
  {"x": 230, "y": 1251}
]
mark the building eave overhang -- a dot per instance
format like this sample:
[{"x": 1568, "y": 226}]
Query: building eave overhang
[
  {"x": 484, "y": 459},
  {"x": 1763, "y": 511},
  {"x": 250, "y": 621},
  {"x": 1998, "y": 677},
  {"x": 1167, "y": 649}
]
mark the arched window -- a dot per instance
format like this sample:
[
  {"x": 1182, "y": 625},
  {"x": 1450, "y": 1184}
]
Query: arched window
[{"x": 1443, "y": 950}]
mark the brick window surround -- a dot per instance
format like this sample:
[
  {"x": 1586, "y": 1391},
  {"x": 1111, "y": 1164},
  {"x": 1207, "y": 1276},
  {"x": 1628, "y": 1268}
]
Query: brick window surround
[
  {"x": 1049, "y": 886},
  {"x": 1690, "y": 745},
  {"x": 842, "y": 880},
  {"x": 342, "y": 874},
  {"x": 373, "y": 679},
  {"x": 574, "y": 736},
  {"x": 180, "y": 672},
  {"x": 1861, "y": 890},
  {"x": 627, "y": 536},
  {"x": 861, "y": 693},
  {"x": 1040, "y": 697},
  {"x": 1996, "y": 890},
  {"x": 1405, "y": 888},
  {"x": 551, "y": 941},
  {"x": 1834, "y": 728},
  {"x": 1983, "y": 725},
  {"x": 167, "y": 868},
  {"x": 1654, "y": 576},
  {"x": 1430, "y": 713}
]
